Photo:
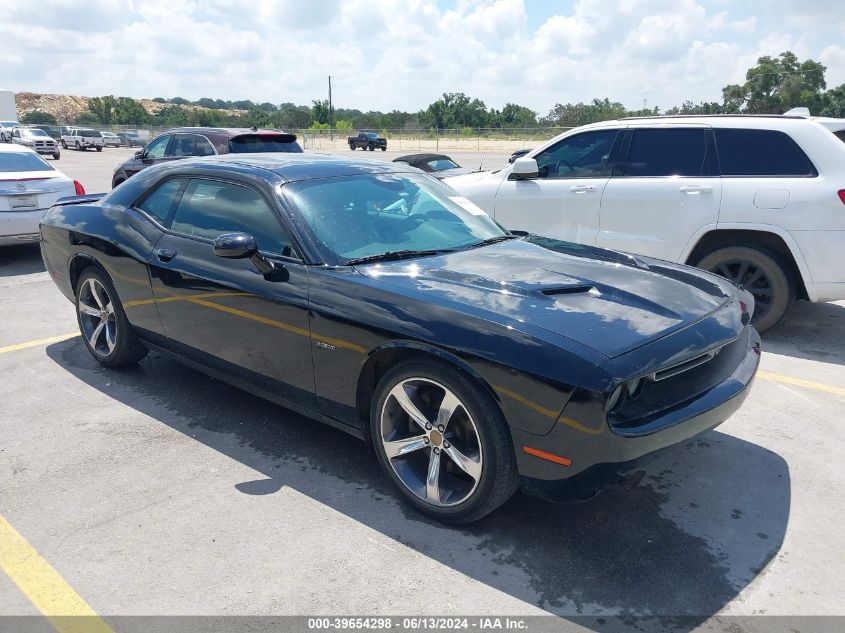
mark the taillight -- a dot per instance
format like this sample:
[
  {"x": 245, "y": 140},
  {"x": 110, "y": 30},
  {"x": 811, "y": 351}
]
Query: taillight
[
  {"x": 80, "y": 190},
  {"x": 842, "y": 195}
]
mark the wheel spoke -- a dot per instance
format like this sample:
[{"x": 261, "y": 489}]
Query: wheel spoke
[
  {"x": 95, "y": 335},
  {"x": 754, "y": 278},
  {"x": 432, "y": 481},
  {"x": 111, "y": 339},
  {"x": 743, "y": 269},
  {"x": 109, "y": 308},
  {"x": 397, "y": 448},
  {"x": 723, "y": 270},
  {"x": 90, "y": 310},
  {"x": 447, "y": 408},
  {"x": 466, "y": 464},
  {"x": 408, "y": 406},
  {"x": 92, "y": 288},
  {"x": 762, "y": 292}
]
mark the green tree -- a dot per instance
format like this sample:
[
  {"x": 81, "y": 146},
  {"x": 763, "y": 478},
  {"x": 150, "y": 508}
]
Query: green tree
[
  {"x": 292, "y": 117},
  {"x": 833, "y": 103},
  {"x": 573, "y": 115},
  {"x": 777, "y": 84},
  {"x": 455, "y": 110},
  {"x": 37, "y": 116},
  {"x": 320, "y": 111},
  {"x": 87, "y": 118},
  {"x": 514, "y": 115},
  {"x": 103, "y": 108}
]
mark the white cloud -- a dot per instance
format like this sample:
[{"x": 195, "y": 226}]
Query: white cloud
[{"x": 386, "y": 54}]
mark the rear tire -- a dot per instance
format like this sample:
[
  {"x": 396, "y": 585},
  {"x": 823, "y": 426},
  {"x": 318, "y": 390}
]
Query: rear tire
[
  {"x": 761, "y": 272},
  {"x": 352, "y": 147},
  {"x": 384, "y": 149},
  {"x": 425, "y": 459},
  {"x": 105, "y": 329},
  {"x": 64, "y": 145}
]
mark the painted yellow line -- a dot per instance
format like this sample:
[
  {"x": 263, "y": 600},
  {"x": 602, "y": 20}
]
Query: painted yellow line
[
  {"x": 799, "y": 382},
  {"x": 38, "y": 342},
  {"x": 43, "y": 585}
]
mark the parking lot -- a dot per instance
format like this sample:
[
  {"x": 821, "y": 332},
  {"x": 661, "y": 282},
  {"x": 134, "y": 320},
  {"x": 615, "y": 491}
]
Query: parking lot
[{"x": 158, "y": 490}]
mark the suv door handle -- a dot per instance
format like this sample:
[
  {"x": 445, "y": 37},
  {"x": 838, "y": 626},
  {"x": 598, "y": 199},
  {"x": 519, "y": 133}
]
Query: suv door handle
[
  {"x": 696, "y": 189},
  {"x": 582, "y": 188},
  {"x": 165, "y": 254}
]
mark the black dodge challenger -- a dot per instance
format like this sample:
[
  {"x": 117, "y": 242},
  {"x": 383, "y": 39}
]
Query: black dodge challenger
[{"x": 373, "y": 298}]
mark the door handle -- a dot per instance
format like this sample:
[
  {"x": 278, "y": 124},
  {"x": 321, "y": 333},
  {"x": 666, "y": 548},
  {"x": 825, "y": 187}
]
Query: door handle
[
  {"x": 696, "y": 189},
  {"x": 165, "y": 254},
  {"x": 582, "y": 188}
]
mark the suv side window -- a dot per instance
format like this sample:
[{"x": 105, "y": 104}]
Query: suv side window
[
  {"x": 580, "y": 156},
  {"x": 157, "y": 146},
  {"x": 202, "y": 147},
  {"x": 182, "y": 145},
  {"x": 760, "y": 153},
  {"x": 209, "y": 208},
  {"x": 668, "y": 152},
  {"x": 160, "y": 203}
]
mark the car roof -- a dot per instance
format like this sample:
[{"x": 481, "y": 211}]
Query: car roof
[
  {"x": 230, "y": 131},
  {"x": 296, "y": 167}
]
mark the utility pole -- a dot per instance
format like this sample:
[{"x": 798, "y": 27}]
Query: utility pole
[{"x": 331, "y": 132}]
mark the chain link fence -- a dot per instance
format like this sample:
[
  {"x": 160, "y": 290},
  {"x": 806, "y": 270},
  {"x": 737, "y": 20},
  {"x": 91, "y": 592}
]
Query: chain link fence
[{"x": 410, "y": 140}]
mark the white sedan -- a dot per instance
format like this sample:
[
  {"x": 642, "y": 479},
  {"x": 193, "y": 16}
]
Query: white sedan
[{"x": 29, "y": 185}]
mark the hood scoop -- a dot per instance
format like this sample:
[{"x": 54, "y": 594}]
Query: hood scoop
[{"x": 566, "y": 290}]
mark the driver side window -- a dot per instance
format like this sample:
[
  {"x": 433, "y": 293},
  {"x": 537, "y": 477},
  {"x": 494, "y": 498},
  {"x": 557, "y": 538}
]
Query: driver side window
[
  {"x": 581, "y": 156},
  {"x": 156, "y": 147}
]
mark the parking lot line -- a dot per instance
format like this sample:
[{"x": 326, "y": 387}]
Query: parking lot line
[
  {"x": 38, "y": 342},
  {"x": 44, "y": 587},
  {"x": 800, "y": 382}
]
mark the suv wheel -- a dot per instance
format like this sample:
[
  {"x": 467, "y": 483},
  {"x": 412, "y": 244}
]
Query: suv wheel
[
  {"x": 99, "y": 148},
  {"x": 64, "y": 145},
  {"x": 762, "y": 273},
  {"x": 57, "y": 155},
  {"x": 443, "y": 441}
]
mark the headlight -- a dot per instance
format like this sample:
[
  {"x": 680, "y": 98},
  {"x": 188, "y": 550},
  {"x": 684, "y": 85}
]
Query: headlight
[
  {"x": 634, "y": 387},
  {"x": 614, "y": 398}
]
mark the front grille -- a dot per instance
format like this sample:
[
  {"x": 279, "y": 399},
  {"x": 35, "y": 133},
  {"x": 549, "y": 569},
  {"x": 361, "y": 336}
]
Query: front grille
[{"x": 676, "y": 385}]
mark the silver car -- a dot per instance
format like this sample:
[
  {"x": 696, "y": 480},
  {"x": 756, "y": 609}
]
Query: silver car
[{"x": 110, "y": 139}]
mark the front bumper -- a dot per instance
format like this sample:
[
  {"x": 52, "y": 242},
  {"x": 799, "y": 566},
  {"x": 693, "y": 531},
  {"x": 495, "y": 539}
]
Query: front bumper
[{"x": 603, "y": 452}]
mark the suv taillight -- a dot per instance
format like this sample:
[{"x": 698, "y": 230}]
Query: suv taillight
[
  {"x": 842, "y": 195},
  {"x": 80, "y": 190}
]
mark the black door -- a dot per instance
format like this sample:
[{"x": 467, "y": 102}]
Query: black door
[{"x": 224, "y": 313}]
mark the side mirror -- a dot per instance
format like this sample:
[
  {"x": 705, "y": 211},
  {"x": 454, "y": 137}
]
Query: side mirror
[
  {"x": 235, "y": 246},
  {"x": 139, "y": 154},
  {"x": 524, "y": 169},
  {"x": 243, "y": 246}
]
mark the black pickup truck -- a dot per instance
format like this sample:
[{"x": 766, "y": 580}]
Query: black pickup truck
[{"x": 367, "y": 140}]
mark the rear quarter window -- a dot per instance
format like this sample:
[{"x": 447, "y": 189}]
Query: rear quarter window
[{"x": 761, "y": 153}]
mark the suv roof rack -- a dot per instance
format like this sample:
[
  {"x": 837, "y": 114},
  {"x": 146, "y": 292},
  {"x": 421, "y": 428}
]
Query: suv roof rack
[{"x": 700, "y": 116}]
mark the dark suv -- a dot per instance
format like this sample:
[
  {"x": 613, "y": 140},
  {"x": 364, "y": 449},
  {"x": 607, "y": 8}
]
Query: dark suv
[{"x": 187, "y": 142}]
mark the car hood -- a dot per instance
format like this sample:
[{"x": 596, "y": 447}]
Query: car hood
[{"x": 608, "y": 301}]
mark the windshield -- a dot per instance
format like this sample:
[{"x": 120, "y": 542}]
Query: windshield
[
  {"x": 351, "y": 217},
  {"x": 22, "y": 161},
  {"x": 89, "y": 133},
  {"x": 9, "y": 123},
  {"x": 34, "y": 133}
]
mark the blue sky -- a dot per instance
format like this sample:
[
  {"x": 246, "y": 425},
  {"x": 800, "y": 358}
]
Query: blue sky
[{"x": 403, "y": 54}]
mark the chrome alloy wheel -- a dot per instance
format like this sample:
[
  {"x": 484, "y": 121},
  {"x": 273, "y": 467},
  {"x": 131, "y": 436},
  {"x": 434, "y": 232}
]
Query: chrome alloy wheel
[
  {"x": 96, "y": 317},
  {"x": 431, "y": 442}
]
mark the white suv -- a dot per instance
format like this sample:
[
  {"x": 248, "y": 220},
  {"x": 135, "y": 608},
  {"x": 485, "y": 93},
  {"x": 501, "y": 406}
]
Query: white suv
[
  {"x": 82, "y": 138},
  {"x": 757, "y": 199}
]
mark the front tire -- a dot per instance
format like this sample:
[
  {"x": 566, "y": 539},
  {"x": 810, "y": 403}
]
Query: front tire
[
  {"x": 64, "y": 145},
  {"x": 57, "y": 156},
  {"x": 99, "y": 149},
  {"x": 762, "y": 273},
  {"x": 443, "y": 441},
  {"x": 384, "y": 149},
  {"x": 105, "y": 329}
]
